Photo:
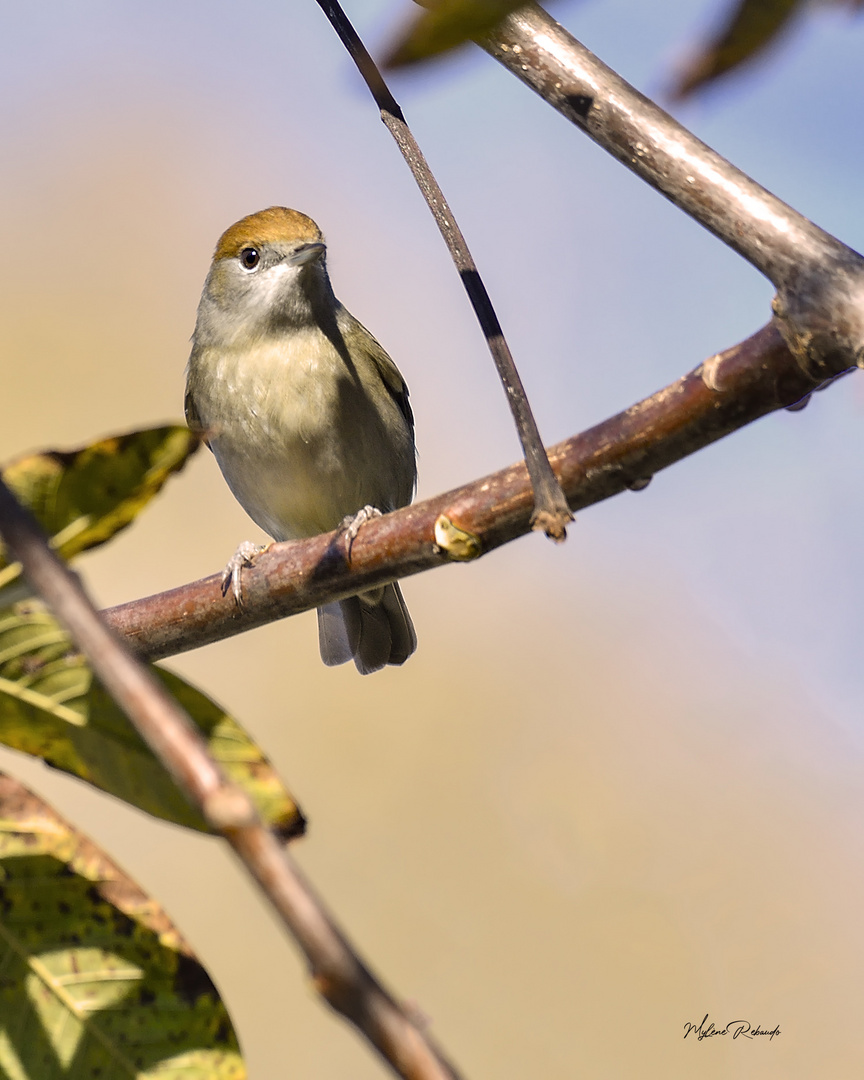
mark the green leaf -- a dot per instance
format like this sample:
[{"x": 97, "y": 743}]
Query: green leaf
[
  {"x": 444, "y": 26},
  {"x": 749, "y": 29},
  {"x": 83, "y": 497},
  {"x": 95, "y": 980},
  {"x": 52, "y": 707}
]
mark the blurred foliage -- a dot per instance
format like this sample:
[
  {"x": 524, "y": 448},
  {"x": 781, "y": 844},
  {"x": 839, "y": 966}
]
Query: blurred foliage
[
  {"x": 95, "y": 981},
  {"x": 445, "y": 25},
  {"x": 52, "y": 707},
  {"x": 83, "y": 497},
  {"x": 747, "y": 29}
]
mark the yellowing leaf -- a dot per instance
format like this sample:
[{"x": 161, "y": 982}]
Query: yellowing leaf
[
  {"x": 51, "y": 707},
  {"x": 748, "y": 30},
  {"x": 83, "y": 497},
  {"x": 445, "y": 25},
  {"x": 95, "y": 980}
]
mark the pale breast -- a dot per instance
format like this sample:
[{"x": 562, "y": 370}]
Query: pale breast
[{"x": 303, "y": 437}]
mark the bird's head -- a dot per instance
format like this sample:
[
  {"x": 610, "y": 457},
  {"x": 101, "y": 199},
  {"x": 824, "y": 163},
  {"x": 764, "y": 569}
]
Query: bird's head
[{"x": 269, "y": 270}]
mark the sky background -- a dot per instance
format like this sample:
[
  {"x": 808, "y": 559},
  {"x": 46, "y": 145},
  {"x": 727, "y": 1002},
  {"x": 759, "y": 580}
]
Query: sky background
[{"x": 619, "y": 785}]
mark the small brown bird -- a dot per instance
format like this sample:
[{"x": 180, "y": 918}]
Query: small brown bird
[{"x": 306, "y": 414}]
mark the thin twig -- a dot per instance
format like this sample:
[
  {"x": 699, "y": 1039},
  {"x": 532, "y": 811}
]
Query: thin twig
[
  {"x": 551, "y": 512},
  {"x": 819, "y": 280},
  {"x": 723, "y": 394},
  {"x": 338, "y": 973}
]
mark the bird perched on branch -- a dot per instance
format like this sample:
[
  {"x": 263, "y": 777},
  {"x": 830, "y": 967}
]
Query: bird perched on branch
[{"x": 306, "y": 414}]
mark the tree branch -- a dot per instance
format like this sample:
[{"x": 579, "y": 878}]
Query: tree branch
[
  {"x": 551, "y": 510},
  {"x": 819, "y": 280},
  {"x": 723, "y": 394},
  {"x": 338, "y": 973}
]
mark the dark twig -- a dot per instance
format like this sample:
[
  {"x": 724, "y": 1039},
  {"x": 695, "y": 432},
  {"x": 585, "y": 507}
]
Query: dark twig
[
  {"x": 820, "y": 282},
  {"x": 338, "y": 973},
  {"x": 551, "y": 512},
  {"x": 721, "y": 395}
]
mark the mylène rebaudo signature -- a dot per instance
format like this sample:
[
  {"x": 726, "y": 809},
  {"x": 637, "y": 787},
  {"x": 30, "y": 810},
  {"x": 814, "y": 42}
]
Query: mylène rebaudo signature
[{"x": 736, "y": 1028}]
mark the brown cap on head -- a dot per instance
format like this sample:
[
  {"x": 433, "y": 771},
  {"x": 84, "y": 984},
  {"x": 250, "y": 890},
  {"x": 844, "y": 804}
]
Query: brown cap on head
[{"x": 277, "y": 224}]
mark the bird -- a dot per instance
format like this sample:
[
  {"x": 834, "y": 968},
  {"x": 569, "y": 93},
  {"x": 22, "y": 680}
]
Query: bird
[{"x": 307, "y": 416}]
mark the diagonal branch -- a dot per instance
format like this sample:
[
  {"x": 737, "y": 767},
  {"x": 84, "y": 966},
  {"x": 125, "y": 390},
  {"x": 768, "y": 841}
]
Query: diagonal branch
[
  {"x": 723, "y": 394},
  {"x": 338, "y": 973},
  {"x": 551, "y": 512},
  {"x": 819, "y": 280}
]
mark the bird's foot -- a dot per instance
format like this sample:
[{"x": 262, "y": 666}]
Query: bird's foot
[
  {"x": 244, "y": 556},
  {"x": 355, "y": 522}
]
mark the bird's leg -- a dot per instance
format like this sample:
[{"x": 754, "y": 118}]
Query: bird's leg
[
  {"x": 355, "y": 522},
  {"x": 244, "y": 556}
]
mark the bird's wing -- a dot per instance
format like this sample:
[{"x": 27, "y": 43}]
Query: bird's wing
[
  {"x": 391, "y": 377},
  {"x": 389, "y": 374},
  {"x": 192, "y": 418}
]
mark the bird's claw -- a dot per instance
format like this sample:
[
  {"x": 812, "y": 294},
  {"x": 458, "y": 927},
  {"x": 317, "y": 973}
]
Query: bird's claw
[
  {"x": 355, "y": 522},
  {"x": 243, "y": 556}
]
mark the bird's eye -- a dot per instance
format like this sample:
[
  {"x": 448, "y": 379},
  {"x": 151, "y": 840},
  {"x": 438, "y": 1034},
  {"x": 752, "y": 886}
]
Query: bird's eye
[{"x": 249, "y": 258}]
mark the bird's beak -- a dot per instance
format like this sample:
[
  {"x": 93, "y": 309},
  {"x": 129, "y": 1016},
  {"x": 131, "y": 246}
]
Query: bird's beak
[{"x": 306, "y": 253}]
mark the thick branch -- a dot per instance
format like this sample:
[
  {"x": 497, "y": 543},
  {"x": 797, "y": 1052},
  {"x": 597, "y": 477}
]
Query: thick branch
[
  {"x": 339, "y": 974},
  {"x": 720, "y": 396},
  {"x": 551, "y": 511},
  {"x": 820, "y": 281}
]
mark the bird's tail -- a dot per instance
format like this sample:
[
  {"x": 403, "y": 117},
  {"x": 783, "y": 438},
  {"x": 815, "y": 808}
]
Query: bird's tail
[{"x": 373, "y": 629}]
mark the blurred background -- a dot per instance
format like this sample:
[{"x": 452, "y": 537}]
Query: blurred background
[{"x": 620, "y": 784}]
